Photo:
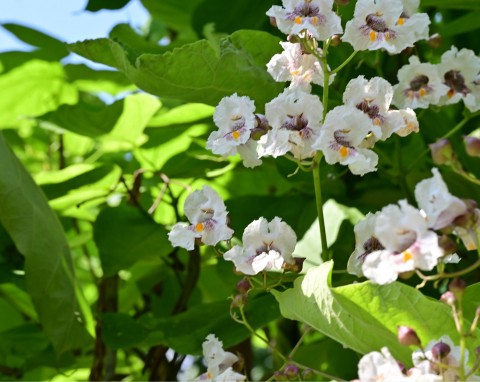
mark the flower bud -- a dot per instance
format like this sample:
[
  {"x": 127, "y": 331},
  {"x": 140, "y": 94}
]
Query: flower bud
[
  {"x": 295, "y": 267},
  {"x": 239, "y": 301},
  {"x": 472, "y": 146},
  {"x": 293, "y": 38},
  {"x": 447, "y": 244},
  {"x": 273, "y": 21},
  {"x": 308, "y": 375},
  {"x": 291, "y": 371},
  {"x": 335, "y": 40},
  {"x": 243, "y": 286},
  {"x": 435, "y": 41},
  {"x": 468, "y": 219},
  {"x": 442, "y": 152},
  {"x": 457, "y": 286},
  {"x": 448, "y": 298},
  {"x": 279, "y": 376},
  {"x": 440, "y": 350},
  {"x": 407, "y": 336}
]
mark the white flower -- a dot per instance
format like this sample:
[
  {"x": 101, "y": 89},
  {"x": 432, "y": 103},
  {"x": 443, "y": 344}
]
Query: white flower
[
  {"x": 405, "y": 244},
  {"x": 365, "y": 243},
  {"x": 374, "y": 97},
  {"x": 439, "y": 205},
  {"x": 208, "y": 217},
  {"x": 314, "y": 16},
  {"x": 431, "y": 363},
  {"x": 266, "y": 246},
  {"x": 419, "y": 85},
  {"x": 299, "y": 67},
  {"x": 410, "y": 122},
  {"x": 417, "y": 23},
  {"x": 379, "y": 366},
  {"x": 219, "y": 362},
  {"x": 384, "y": 25},
  {"x": 235, "y": 118},
  {"x": 340, "y": 138},
  {"x": 459, "y": 71},
  {"x": 295, "y": 118}
]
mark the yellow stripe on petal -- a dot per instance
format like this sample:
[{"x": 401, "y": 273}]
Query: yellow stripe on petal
[
  {"x": 373, "y": 36},
  {"x": 314, "y": 20},
  {"x": 422, "y": 92},
  {"x": 401, "y": 21},
  {"x": 236, "y": 135},
  {"x": 298, "y": 20},
  {"x": 344, "y": 151},
  {"x": 199, "y": 227}
]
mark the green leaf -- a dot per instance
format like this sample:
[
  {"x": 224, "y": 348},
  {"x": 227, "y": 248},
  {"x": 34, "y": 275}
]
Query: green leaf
[
  {"x": 97, "y": 5},
  {"x": 464, "y": 24},
  {"x": 38, "y": 235},
  {"x": 457, "y": 4},
  {"x": 198, "y": 72},
  {"x": 53, "y": 47},
  {"x": 124, "y": 236},
  {"x": 186, "y": 332},
  {"x": 122, "y": 331},
  {"x": 364, "y": 317},
  {"x": 32, "y": 89}
]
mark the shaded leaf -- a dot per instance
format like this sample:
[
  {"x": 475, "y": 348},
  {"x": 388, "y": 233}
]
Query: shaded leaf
[
  {"x": 38, "y": 235},
  {"x": 124, "y": 236},
  {"x": 122, "y": 331},
  {"x": 97, "y": 5}
]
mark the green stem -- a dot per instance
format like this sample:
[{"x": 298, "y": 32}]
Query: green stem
[
  {"x": 318, "y": 198},
  {"x": 344, "y": 63},
  {"x": 467, "y": 176},
  {"x": 472, "y": 267}
]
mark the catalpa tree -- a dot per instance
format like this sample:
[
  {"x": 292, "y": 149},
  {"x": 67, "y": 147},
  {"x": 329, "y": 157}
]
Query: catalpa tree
[{"x": 253, "y": 190}]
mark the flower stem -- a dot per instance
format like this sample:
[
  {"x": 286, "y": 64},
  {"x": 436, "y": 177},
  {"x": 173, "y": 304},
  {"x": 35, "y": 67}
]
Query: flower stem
[
  {"x": 344, "y": 63},
  {"x": 318, "y": 198}
]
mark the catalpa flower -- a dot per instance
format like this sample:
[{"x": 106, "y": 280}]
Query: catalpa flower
[
  {"x": 235, "y": 118},
  {"x": 459, "y": 71},
  {"x": 208, "y": 220},
  {"x": 298, "y": 67},
  {"x": 441, "y": 207},
  {"x": 341, "y": 137},
  {"x": 314, "y": 16},
  {"x": 374, "y": 97},
  {"x": 266, "y": 246},
  {"x": 384, "y": 24},
  {"x": 379, "y": 366},
  {"x": 405, "y": 244},
  {"x": 219, "y": 362},
  {"x": 295, "y": 118},
  {"x": 419, "y": 85},
  {"x": 410, "y": 122}
]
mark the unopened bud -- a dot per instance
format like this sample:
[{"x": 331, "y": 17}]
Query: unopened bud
[
  {"x": 442, "y": 152},
  {"x": 472, "y": 146},
  {"x": 308, "y": 375},
  {"x": 448, "y": 298},
  {"x": 407, "y": 336},
  {"x": 296, "y": 267},
  {"x": 470, "y": 218},
  {"x": 279, "y": 376},
  {"x": 293, "y": 38},
  {"x": 243, "y": 286},
  {"x": 291, "y": 371},
  {"x": 239, "y": 301},
  {"x": 447, "y": 244},
  {"x": 457, "y": 286},
  {"x": 273, "y": 21},
  {"x": 435, "y": 41},
  {"x": 335, "y": 40},
  {"x": 440, "y": 351}
]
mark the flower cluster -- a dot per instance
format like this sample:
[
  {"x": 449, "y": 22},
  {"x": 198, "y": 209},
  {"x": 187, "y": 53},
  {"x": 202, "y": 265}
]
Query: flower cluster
[
  {"x": 455, "y": 78},
  {"x": 384, "y": 250},
  {"x": 219, "y": 362},
  {"x": 439, "y": 361}
]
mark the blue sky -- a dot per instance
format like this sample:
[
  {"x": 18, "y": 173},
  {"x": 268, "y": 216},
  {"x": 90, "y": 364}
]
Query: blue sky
[{"x": 64, "y": 19}]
